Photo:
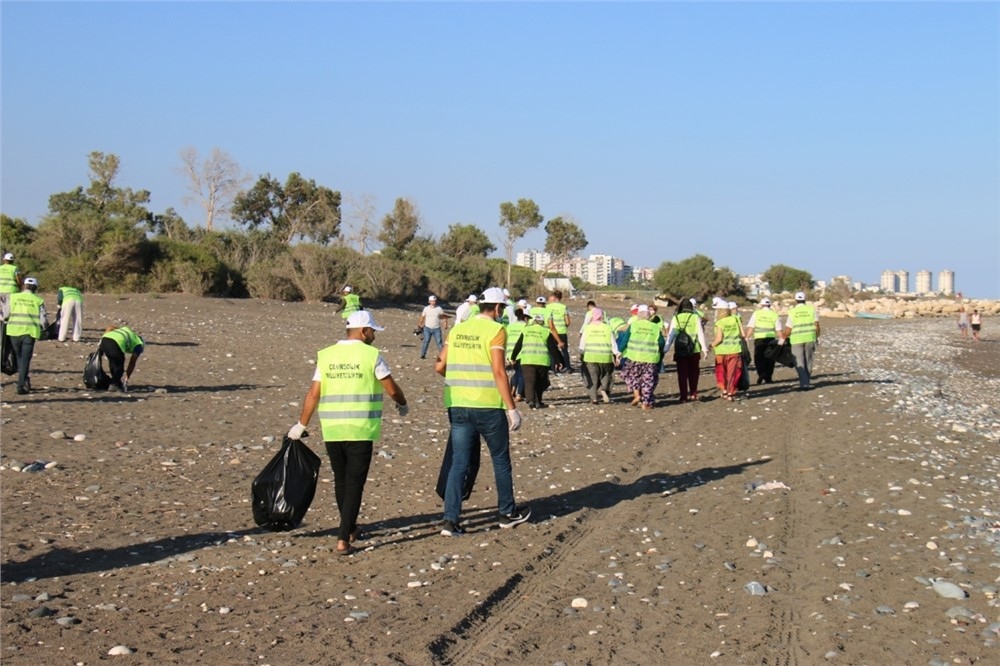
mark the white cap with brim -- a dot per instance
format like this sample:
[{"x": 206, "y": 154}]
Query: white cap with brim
[
  {"x": 31, "y": 282},
  {"x": 493, "y": 295},
  {"x": 732, "y": 305},
  {"x": 363, "y": 319},
  {"x": 432, "y": 298},
  {"x": 540, "y": 299},
  {"x": 766, "y": 301},
  {"x": 800, "y": 296},
  {"x": 8, "y": 257},
  {"x": 347, "y": 290},
  {"x": 472, "y": 299},
  {"x": 522, "y": 304}
]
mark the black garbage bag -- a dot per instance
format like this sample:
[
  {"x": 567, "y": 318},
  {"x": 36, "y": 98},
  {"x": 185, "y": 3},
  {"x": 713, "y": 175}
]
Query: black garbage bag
[
  {"x": 780, "y": 353},
  {"x": 470, "y": 474},
  {"x": 94, "y": 376},
  {"x": 51, "y": 331},
  {"x": 8, "y": 360},
  {"x": 283, "y": 491}
]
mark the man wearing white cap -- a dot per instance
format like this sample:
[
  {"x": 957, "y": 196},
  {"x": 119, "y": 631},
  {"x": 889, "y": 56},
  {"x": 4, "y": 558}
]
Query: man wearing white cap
[
  {"x": 467, "y": 310},
  {"x": 433, "y": 321},
  {"x": 764, "y": 328},
  {"x": 10, "y": 279},
  {"x": 347, "y": 389},
  {"x": 479, "y": 402},
  {"x": 802, "y": 332},
  {"x": 26, "y": 317},
  {"x": 350, "y": 302}
]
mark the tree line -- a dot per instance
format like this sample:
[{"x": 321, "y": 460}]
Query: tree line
[{"x": 289, "y": 242}]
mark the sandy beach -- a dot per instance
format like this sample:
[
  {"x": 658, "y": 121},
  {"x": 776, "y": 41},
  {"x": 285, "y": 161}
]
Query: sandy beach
[{"x": 786, "y": 528}]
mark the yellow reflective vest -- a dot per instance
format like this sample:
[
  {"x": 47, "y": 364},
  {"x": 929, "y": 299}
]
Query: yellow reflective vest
[
  {"x": 468, "y": 378},
  {"x": 802, "y": 319},
  {"x": 350, "y": 403},
  {"x": 25, "y": 315}
]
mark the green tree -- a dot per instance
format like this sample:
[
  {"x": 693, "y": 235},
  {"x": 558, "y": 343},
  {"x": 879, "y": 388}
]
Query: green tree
[
  {"x": 785, "y": 278},
  {"x": 465, "y": 240},
  {"x": 695, "y": 276},
  {"x": 399, "y": 228},
  {"x": 563, "y": 240},
  {"x": 299, "y": 208},
  {"x": 516, "y": 220}
]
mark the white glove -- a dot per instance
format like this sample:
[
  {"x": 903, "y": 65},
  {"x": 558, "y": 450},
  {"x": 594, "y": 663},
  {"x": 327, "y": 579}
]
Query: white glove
[
  {"x": 513, "y": 419},
  {"x": 781, "y": 341},
  {"x": 402, "y": 410},
  {"x": 296, "y": 431}
]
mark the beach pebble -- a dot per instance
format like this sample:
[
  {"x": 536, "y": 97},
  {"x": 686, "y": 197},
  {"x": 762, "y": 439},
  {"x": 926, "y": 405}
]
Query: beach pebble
[
  {"x": 42, "y": 611},
  {"x": 120, "y": 649},
  {"x": 58, "y": 434},
  {"x": 50, "y": 465},
  {"x": 579, "y": 602},
  {"x": 931, "y": 545},
  {"x": 755, "y": 589},
  {"x": 80, "y": 438},
  {"x": 949, "y": 590},
  {"x": 885, "y": 610},
  {"x": 67, "y": 621},
  {"x": 751, "y": 543}
]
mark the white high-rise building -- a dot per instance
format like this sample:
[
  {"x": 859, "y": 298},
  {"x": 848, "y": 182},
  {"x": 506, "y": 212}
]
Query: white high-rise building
[
  {"x": 903, "y": 277},
  {"x": 924, "y": 282},
  {"x": 533, "y": 259},
  {"x": 889, "y": 282},
  {"x": 946, "y": 282}
]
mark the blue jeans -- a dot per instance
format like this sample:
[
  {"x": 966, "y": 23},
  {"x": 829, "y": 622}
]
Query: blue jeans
[
  {"x": 428, "y": 334},
  {"x": 467, "y": 425},
  {"x": 517, "y": 380}
]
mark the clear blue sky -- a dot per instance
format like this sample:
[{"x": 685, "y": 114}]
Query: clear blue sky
[{"x": 840, "y": 138}]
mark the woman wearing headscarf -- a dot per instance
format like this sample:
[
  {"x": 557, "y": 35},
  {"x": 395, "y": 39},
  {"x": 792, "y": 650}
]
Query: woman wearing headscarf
[
  {"x": 728, "y": 351},
  {"x": 599, "y": 351},
  {"x": 688, "y": 321},
  {"x": 642, "y": 350}
]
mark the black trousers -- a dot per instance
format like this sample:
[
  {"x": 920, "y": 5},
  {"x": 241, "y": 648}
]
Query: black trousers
[
  {"x": 536, "y": 380},
  {"x": 764, "y": 365},
  {"x": 116, "y": 360},
  {"x": 350, "y": 462}
]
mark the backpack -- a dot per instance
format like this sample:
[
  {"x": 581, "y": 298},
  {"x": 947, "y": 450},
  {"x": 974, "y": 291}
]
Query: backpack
[{"x": 684, "y": 344}]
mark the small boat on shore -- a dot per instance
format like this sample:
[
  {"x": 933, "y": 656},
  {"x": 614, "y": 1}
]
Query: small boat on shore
[{"x": 872, "y": 315}]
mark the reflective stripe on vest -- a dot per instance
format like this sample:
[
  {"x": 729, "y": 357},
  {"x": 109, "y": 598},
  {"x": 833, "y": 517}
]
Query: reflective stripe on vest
[
  {"x": 71, "y": 294},
  {"x": 643, "y": 342},
  {"x": 803, "y": 322},
  {"x": 25, "y": 316},
  {"x": 557, "y": 313},
  {"x": 468, "y": 379},
  {"x": 513, "y": 333},
  {"x": 8, "y": 281},
  {"x": 597, "y": 343},
  {"x": 763, "y": 324},
  {"x": 534, "y": 345},
  {"x": 730, "y": 336},
  {"x": 350, "y": 404}
]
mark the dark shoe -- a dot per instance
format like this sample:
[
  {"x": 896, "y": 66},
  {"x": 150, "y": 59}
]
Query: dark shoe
[
  {"x": 450, "y": 529},
  {"x": 519, "y": 516},
  {"x": 22, "y": 391},
  {"x": 541, "y": 405}
]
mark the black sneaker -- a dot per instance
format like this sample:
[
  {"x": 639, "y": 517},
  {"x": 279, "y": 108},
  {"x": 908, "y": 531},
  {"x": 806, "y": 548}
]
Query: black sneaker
[
  {"x": 519, "y": 516},
  {"x": 450, "y": 529}
]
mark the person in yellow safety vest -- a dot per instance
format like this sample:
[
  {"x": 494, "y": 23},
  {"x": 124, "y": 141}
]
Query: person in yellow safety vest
[
  {"x": 598, "y": 353},
  {"x": 642, "y": 347},
  {"x": 70, "y": 302},
  {"x": 535, "y": 351},
  {"x": 802, "y": 332},
  {"x": 559, "y": 323},
  {"x": 728, "y": 352},
  {"x": 763, "y": 328},
  {"x": 116, "y": 343},
  {"x": 467, "y": 310},
  {"x": 10, "y": 279},
  {"x": 26, "y": 317},
  {"x": 350, "y": 302},
  {"x": 479, "y": 402},
  {"x": 587, "y": 381},
  {"x": 514, "y": 331},
  {"x": 688, "y": 364},
  {"x": 347, "y": 388}
]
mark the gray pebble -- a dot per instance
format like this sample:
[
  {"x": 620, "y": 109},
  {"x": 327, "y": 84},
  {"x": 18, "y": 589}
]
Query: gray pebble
[
  {"x": 755, "y": 589},
  {"x": 44, "y": 596},
  {"x": 358, "y": 615},
  {"x": 862, "y": 573},
  {"x": 21, "y": 597},
  {"x": 67, "y": 621},
  {"x": 42, "y": 611},
  {"x": 885, "y": 610},
  {"x": 92, "y": 489}
]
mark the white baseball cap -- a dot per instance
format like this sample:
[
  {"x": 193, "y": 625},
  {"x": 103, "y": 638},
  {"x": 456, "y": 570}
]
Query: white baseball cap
[
  {"x": 643, "y": 308},
  {"x": 732, "y": 305},
  {"x": 472, "y": 298},
  {"x": 432, "y": 298},
  {"x": 8, "y": 257},
  {"x": 493, "y": 295},
  {"x": 693, "y": 301},
  {"x": 800, "y": 296},
  {"x": 30, "y": 282},
  {"x": 522, "y": 304},
  {"x": 363, "y": 319},
  {"x": 540, "y": 299},
  {"x": 506, "y": 292},
  {"x": 347, "y": 290},
  {"x": 766, "y": 301}
]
